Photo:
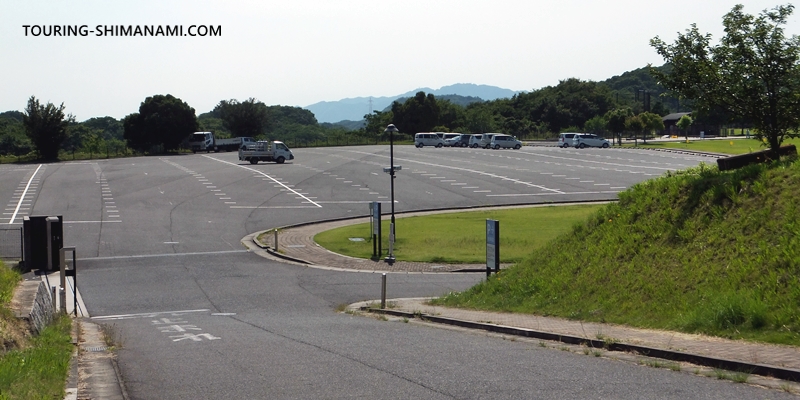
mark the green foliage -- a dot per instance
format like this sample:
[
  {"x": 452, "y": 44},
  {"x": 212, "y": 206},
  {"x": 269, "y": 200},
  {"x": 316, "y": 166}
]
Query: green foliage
[
  {"x": 596, "y": 125},
  {"x": 247, "y": 118},
  {"x": 209, "y": 123},
  {"x": 752, "y": 73},
  {"x": 684, "y": 123},
  {"x": 12, "y": 135},
  {"x": 162, "y": 120},
  {"x": 417, "y": 114},
  {"x": 46, "y": 126},
  {"x": 38, "y": 372},
  {"x": 698, "y": 250},
  {"x": 105, "y": 127},
  {"x": 571, "y": 103}
]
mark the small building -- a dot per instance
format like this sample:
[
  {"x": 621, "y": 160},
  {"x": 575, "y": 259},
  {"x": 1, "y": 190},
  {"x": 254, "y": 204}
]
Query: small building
[{"x": 671, "y": 123}]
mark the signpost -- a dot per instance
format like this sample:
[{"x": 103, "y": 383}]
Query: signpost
[
  {"x": 375, "y": 219},
  {"x": 492, "y": 246}
]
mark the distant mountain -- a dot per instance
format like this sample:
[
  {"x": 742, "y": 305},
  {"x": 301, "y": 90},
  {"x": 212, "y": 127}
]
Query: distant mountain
[{"x": 355, "y": 108}]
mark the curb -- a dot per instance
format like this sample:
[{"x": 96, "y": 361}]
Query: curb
[
  {"x": 275, "y": 253},
  {"x": 712, "y": 362}
]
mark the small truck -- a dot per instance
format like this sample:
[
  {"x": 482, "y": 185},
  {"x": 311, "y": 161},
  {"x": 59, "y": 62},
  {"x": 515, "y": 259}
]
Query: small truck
[
  {"x": 265, "y": 151},
  {"x": 206, "y": 141}
]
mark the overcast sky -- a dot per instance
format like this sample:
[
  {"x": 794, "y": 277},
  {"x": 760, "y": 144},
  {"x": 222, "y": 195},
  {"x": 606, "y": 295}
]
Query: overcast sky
[{"x": 299, "y": 52}]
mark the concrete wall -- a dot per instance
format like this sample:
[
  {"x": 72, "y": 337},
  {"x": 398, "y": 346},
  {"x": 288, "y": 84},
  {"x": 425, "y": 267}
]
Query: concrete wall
[{"x": 33, "y": 303}]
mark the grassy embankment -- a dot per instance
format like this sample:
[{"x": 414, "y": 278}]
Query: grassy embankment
[
  {"x": 31, "y": 367},
  {"x": 724, "y": 146},
  {"x": 696, "y": 251},
  {"x": 461, "y": 237}
]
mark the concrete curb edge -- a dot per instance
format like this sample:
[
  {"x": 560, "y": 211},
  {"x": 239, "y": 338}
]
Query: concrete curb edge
[{"x": 720, "y": 363}]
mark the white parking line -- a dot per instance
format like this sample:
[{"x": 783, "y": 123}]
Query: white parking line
[
  {"x": 265, "y": 175},
  {"x": 14, "y": 216}
]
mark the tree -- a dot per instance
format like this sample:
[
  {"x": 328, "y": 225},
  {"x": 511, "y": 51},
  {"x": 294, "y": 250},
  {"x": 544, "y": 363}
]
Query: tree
[
  {"x": 162, "y": 120},
  {"x": 616, "y": 121},
  {"x": 46, "y": 126},
  {"x": 752, "y": 73},
  {"x": 652, "y": 122},
  {"x": 596, "y": 125},
  {"x": 418, "y": 114},
  {"x": 12, "y": 135},
  {"x": 247, "y": 118},
  {"x": 683, "y": 124},
  {"x": 635, "y": 125}
]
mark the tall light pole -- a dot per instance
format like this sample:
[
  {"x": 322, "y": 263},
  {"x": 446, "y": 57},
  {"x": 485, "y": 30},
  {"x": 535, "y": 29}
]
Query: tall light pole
[{"x": 391, "y": 129}]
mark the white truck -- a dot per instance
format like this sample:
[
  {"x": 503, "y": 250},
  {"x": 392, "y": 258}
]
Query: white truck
[
  {"x": 205, "y": 141},
  {"x": 265, "y": 151}
]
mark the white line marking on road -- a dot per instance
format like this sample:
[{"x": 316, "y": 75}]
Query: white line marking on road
[
  {"x": 201, "y": 253},
  {"x": 268, "y": 207},
  {"x": 148, "y": 315},
  {"x": 14, "y": 216},
  {"x": 92, "y": 222},
  {"x": 481, "y": 191},
  {"x": 265, "y": 175},
  {"x": 550, "y": 194}
]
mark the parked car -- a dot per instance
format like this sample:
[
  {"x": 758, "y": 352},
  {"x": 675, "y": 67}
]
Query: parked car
[
  {"x": 486, "y": 139},
  {"x": 423, "y": 139},
  {"x": 581, "y": 140},
  {"x": 505, "y": 142},
  {"x": 475, "y": 141},
  {"x": 565, "y": 139},
  {"x": 461, "y": 140},
  {"x": 449, "y": 137}
]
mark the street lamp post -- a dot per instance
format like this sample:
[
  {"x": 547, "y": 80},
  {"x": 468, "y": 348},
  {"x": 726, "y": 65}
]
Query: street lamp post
[{"x": 391, "y": 129}]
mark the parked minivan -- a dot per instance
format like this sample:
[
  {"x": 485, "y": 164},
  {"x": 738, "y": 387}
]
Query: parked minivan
[
  {"x": 475, "y": 140},
  {"x": 565, "y": 139},
  {"x": 423, "y": 139},
  {"x": 486, "y": 139},
  {"x": 449, "y": 138},
  {"x": 460, "y": 140},
  {"x": 505, "y": 142}
]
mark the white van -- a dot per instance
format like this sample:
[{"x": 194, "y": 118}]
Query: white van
[
  {"x": 449, "y": 138},
  {"x": 423, "y": 139},
  {"x": 505, "y": 142},
  {"x": 475, "y": 140},
  {"x": 486, "y": 139}
]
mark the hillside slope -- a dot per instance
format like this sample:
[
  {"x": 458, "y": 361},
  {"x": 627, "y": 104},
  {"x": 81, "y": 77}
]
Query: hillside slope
[{"x": 697, "y": 251}]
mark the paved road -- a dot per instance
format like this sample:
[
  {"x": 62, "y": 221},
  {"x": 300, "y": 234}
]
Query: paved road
[{"x": 158, "y": 240}]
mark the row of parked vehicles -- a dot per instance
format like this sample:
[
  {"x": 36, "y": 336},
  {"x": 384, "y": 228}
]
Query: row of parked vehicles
[
  {"x": 484, "y": 140},
  {"x": 581, "y": 140}
]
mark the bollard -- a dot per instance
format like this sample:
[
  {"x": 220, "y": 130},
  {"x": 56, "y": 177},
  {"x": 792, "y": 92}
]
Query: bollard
[
  {"x": 276, "y": 239},
  {"x": 383, "y": 291}
]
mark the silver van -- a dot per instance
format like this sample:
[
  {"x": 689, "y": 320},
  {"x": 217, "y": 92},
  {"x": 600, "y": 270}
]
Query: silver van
[
  {"x": 486, "y": 139},
  {"x": 565, "y": 139},
  {"x": 423, "y": 139},
  {"x": 475, "y": 140},
  {"x": 505, "y": 142},
  {"x": 450, "y": 139}
]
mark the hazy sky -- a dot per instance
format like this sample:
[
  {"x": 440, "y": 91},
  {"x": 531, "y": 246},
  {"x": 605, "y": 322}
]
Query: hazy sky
[{"x": 299, "y": 52}]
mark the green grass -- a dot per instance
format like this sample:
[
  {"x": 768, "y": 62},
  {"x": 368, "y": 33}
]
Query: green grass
[
  {"x": 38, "y": 372},
  {"x": 461, "y": 237},
  {"x": 31, "y": 368},
  {"x": 724, "y": 146},
  {"x": 698, "y": 251}
]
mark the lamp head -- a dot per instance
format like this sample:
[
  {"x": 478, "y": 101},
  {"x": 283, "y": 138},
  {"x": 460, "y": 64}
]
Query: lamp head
[{"x": 391, "y": 128}]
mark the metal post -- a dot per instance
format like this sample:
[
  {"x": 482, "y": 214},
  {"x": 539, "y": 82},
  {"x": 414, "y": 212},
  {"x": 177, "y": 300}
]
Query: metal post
[
  {"x": 53, "y": 295},
  {"x": 383, "y": 291},
  {"x": 390, "y": 257},
  {"x": 276, "y": 239}
]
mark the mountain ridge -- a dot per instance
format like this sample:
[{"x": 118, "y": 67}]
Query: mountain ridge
[{"x": 354, "y": 108}]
